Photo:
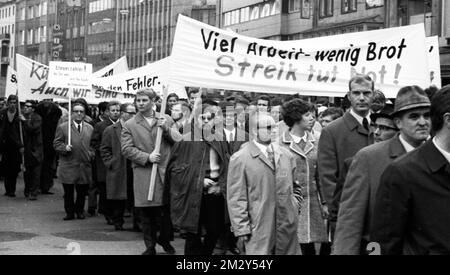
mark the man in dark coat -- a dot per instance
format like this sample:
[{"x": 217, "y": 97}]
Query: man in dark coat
[
  {"x": 341, "y": 140},
  {"x": 50, "y": 114},
  {"x": 197, "y": 188},
  {"x": 113, "y": 112},
  {"x": 116, "y": 167},
  {"x": 361, "y": 184},
  {"x": 32, "y": 135},
  {"x": 10, "y": 145},
  {"x": 411, "y": 210}
]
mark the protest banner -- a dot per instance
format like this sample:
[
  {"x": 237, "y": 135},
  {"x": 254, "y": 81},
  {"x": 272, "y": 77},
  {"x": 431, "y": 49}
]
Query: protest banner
[
  {"x": 11, "y": 82},
  {"x": 117, "y": 67},
  {"x": 153, "y": 75},
  {"x": 205, "y": 56},
  {"x": 70, "y": 75},
  {"x": 434, "y": 61},
  {"x": 32, "y": 84}
]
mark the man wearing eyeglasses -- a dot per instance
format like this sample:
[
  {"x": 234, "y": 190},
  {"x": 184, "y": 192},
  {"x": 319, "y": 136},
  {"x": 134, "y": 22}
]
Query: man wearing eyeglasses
[
  {"x": 383, "y": 125},
  {"x": 411, "y": 116},
  {"x": 263, "y": 198},
  {"x": 33, "y": 153},
  {"x": 197, "y": 175},
  {"x": 74, "y": 169},
  {"x": 117, "y": 172}
]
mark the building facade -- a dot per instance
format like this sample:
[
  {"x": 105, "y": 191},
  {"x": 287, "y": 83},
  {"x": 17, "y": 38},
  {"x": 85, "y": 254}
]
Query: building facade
[
  {"x": 34, "y": 21},
  {"x": 7, "y": 35}
]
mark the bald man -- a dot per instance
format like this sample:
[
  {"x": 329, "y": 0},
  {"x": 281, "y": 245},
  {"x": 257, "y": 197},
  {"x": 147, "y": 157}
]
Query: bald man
[{"x": 263, "y": 199}]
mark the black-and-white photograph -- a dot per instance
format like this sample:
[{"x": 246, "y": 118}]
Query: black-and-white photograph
[{"x": 224, "y": 128}]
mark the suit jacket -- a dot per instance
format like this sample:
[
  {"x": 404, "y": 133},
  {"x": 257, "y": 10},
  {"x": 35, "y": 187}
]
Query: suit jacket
[
  {"x": 341, "y": 140},
  {"x": 75, "y": 166},
  {"x": 138, "y": 142},
  {"x": 240, "y": 137},
  {"x": 264, "y": 200},
  {"x": 411, "y": 214},
  {"x": 358, "y": 195},
  {"x": 96, "y": 141},
  {"x": 32, "y": 135},
  {"x": 114, "y": 162},
  {"x": 13, "y": 132}
]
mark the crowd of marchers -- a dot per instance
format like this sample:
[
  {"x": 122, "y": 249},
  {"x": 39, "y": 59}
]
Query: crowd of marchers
[{"x": 246, "y": 174}]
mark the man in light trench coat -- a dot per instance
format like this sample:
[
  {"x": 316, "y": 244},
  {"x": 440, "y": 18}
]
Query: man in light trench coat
[{"x": 263, "y": 199}]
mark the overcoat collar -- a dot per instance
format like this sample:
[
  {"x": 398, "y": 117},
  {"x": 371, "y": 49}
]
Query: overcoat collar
[
  {"x": 396, "y": 148},
  {"x": 256, "y": 153},
  {"x": 353, "y": 124},
  {"x": 287, "y": 139},
  {"x": 140, "y": 119},
  {"x": 118, "y": 129},
  {"x": 433, "y": 157}
]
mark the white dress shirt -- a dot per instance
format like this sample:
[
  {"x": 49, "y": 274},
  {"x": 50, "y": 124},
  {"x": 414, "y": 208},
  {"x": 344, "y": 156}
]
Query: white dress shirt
[
  {"x": 76, "y": 125},
  {"x": 297, "y": 139},
  {"x": 229, "y": 133},
  {"x": 360, "y": 118}
]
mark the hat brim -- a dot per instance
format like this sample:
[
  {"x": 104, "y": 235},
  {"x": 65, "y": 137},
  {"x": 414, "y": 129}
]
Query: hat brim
[
  {"x": 376, "y": 116},
  {"x": 410, "y": 107}
]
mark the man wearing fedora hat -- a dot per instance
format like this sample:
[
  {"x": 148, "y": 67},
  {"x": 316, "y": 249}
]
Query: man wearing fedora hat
[
  {"x": 411, "y": 116},
  {"x": 411, "y": 210}
]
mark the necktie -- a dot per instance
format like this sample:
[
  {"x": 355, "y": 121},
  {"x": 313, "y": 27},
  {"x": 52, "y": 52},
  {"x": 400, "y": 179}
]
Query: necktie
[
  {"x": 366, "y": 124},
  {"x": 79, "y": 128},
  {"x": 270, "y": 155},
  {"x": 230, "y": 137}
]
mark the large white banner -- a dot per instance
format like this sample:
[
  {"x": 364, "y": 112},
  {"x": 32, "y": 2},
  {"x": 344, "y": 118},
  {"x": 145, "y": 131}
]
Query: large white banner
[
  {"x": 434, "y": 61},
  {"x": 117, "y": 67},
  {"x": 154, "y": 76},
  {"x": 205, "y": 56},
  {"x": 32, "y": 84}
]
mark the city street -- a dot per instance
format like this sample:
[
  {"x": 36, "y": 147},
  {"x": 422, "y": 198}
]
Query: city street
[{"x": 37, "y": 228}]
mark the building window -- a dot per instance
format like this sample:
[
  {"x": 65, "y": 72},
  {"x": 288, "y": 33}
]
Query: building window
[
  {"x": 245, "y": 14},
  {"x": 30, "y": 37},
  {"x": 44, "y": 8},
  {"x": 254, "y": 13},
  {"x": 44, "y": 34},
  {"x": 326, "y": 8},
  {"x": 294, "y": 5},
  {"x": 30, "y": 13},
  {"x": 306, "y": 9},
  {"x": 22, "y": 13},
  {"x": 235, "y": 17},
  {"x": 349, "y": 6},
  {"x": 374, "y": 4},
  {"x": 265, "y": 10},
  {"x": 227, "y": 19},
  {"x": 276, "y": 8},
  {"x": 22, "y": 38}
]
